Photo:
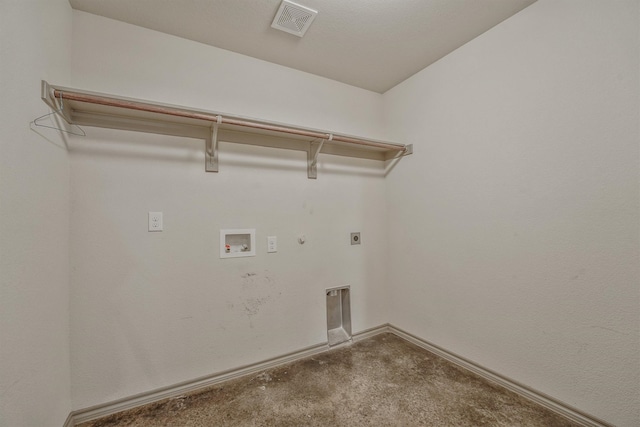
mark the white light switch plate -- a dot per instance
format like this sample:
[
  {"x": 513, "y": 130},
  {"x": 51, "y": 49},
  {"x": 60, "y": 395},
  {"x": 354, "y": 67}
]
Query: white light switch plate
[
  {"x": 155, "y": 221},
  {"x": 272, "y": 244}
]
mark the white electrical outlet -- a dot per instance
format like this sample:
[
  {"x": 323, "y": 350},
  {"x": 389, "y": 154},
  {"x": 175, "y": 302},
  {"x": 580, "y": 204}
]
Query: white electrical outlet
[
  {"x": 272, "y": 244},
  {"x": 155, "y": 221}
]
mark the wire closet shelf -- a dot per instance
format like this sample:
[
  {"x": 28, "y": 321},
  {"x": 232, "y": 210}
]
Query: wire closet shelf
[{"x": 83, "y": 108}]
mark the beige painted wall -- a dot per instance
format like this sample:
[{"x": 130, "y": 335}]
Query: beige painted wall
[
  {"x": 154, "y": 309},
  {"x": 514, "y": 228},
  {"x": 35, "y": 44},
  {"x": 510, "y": 237}
]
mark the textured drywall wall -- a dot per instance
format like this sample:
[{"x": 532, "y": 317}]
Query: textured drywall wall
[
  {"x": 514, "y": 226},
  {"x": 35, "y": 44},
  {"x": 154, "y": 309}
]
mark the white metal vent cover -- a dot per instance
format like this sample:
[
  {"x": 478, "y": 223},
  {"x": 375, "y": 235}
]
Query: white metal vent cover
[{"x": 293, "y": 18}]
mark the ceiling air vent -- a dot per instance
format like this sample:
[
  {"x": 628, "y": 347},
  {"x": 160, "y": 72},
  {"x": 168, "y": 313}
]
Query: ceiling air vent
[{"x": 293, "y": 18}]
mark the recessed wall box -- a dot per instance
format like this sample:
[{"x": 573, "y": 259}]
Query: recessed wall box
[
  {"x": 338, "y": 315},
  {"x": 237, "y": 242}
]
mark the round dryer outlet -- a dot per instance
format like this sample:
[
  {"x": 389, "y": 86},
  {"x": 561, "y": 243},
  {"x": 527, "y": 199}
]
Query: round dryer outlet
[{"x": 355, "y": 238}]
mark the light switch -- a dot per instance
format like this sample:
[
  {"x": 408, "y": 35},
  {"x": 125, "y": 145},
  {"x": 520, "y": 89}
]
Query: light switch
[{"x": 272, "y": 244}]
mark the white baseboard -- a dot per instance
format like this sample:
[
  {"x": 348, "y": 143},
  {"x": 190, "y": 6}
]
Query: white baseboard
[
  {"x": 541, "y": 399},
  {"x": 69, "y": 422},
  {"x": 99, "y": 411}
]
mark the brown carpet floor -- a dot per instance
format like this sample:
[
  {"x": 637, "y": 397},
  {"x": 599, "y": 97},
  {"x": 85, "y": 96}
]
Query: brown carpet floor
[{"x": 380, "y": 381}]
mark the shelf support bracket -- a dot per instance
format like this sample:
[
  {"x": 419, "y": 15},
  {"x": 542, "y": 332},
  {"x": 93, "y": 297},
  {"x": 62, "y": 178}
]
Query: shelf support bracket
[
  {"x": 312, "y": 156},
  {"x": 211, "y": 152}
]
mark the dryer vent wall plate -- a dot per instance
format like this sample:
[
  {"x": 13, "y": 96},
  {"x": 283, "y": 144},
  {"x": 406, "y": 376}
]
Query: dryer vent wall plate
[
  {"x": 338, "y": 315},
  {"x": 293, "y": 18}
]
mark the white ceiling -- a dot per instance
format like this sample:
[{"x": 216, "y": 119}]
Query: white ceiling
[{"x": 372, "y": 44}]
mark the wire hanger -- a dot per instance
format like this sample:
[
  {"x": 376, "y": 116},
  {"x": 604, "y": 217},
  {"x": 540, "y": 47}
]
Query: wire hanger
[{"x": 59, "y": 111}]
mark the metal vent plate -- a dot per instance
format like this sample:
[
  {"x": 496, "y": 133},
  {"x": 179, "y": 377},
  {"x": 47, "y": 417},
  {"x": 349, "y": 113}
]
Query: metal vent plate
[{"x": 293, "y": 18}]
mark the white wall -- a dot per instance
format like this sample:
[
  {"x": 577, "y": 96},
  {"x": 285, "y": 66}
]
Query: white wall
[
  {"x": 154, "y": 309},
  {"x": 35, "y": 44},
  {"x": 514, "y": 228}
]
